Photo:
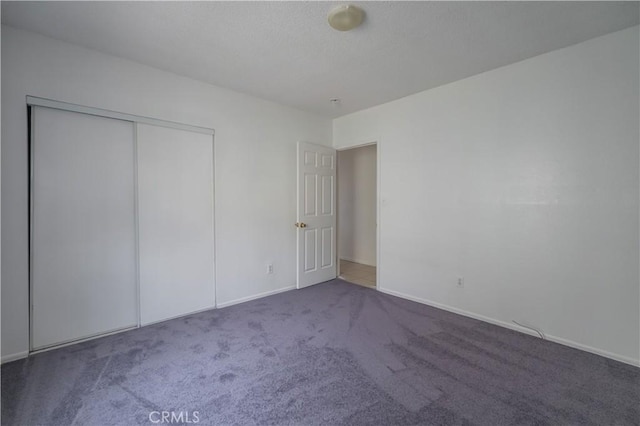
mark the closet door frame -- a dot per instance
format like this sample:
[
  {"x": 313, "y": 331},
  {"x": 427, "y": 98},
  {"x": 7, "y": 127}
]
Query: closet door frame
[{"x": 33, "y": 101}]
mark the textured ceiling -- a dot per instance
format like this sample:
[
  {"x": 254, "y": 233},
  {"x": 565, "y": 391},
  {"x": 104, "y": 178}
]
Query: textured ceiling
[{"x": 286, "y": 52}]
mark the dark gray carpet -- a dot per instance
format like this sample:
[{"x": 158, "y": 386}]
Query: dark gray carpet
[{"x": 335, "y": 353}]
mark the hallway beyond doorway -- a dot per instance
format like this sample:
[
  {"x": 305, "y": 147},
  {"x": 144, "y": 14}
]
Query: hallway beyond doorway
[{"x": 357, "y": 273}]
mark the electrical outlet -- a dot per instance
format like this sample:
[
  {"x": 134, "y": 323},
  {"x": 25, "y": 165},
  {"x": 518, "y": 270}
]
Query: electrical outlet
[
  {"x": 460, "y": 283},
  {"x": 270, "y": 268}
]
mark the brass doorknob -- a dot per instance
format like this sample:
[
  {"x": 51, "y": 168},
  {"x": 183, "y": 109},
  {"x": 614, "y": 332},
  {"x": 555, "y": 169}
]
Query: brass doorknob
[{"x": 301, "y": 225}]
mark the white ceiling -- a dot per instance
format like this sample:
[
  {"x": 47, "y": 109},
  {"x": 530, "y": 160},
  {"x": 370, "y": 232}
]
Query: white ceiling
[{"x": 286, "y": 52}]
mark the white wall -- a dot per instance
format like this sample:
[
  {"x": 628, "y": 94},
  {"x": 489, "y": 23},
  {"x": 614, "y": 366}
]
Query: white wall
[
  {"x": 255, "y": 150},
  {"x": 524, "y": 180},
  {"x": 357, "y": 204}
]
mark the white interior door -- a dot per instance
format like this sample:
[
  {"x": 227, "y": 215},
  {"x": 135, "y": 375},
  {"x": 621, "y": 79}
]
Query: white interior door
[
  {"x": 175, "y": 210},
  {"x": 83, "y": 227},
  {"x": 316, "y": 225}
]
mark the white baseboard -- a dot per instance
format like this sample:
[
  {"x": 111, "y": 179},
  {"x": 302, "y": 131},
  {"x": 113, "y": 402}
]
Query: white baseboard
[
  {"x": 197, "y": 311},
  {"x": 255, "y": 296},
  {"x": 13, "y": 357},
  {"x": 362, "y": 262},
  {"x": 562, "y": 341},
  {"x": 565, "y": 342},
  {"x": 20, "y": 355}
]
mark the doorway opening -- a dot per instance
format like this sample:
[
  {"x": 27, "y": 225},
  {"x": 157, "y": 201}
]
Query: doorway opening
[{"x": 357, "y": 214}]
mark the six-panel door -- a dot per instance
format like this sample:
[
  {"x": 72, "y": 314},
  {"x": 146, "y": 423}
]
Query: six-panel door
[{"x": 317, "y": 211}]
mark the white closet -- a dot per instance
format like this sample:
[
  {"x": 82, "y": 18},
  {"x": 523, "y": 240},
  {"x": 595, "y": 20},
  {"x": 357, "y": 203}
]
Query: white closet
[
  {"x": 83, "y": 228},
  {"x": 121, "y": 222},
  {"x": 175, "y": 202}
]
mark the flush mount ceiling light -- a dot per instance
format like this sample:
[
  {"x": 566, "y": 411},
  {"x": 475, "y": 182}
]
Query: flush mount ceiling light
[{"x": 345, "y": 17}]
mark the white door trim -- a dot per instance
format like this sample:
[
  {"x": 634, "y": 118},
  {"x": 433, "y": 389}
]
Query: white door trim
[
  {"x": 378, "y": 145},
  {"x": 50, "y": 103}
]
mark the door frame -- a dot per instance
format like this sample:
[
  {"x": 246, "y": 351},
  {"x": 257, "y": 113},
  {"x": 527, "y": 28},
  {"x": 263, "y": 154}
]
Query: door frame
[{"x": 378, "y": 145}]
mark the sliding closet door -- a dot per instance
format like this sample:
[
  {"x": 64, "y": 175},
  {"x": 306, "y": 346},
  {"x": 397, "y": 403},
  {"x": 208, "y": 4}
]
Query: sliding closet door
[
  {"x": 175, "y": 207},
  {"x": 83, "y": 236}
]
